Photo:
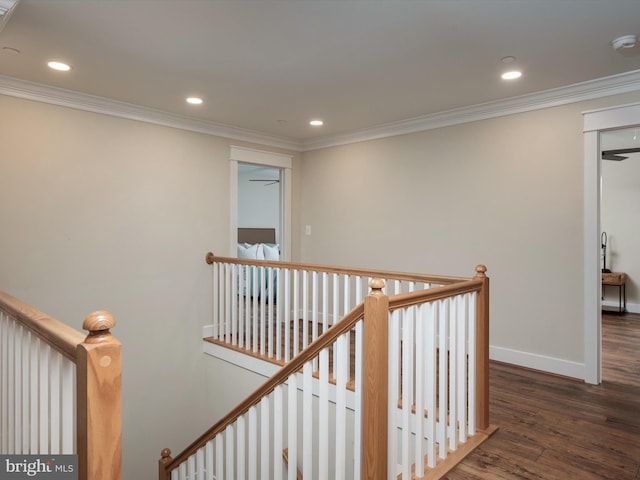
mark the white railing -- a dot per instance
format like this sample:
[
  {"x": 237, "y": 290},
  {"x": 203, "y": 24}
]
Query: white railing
[
  {"x": 432, "y": 367},
  {"x": 59, "y": 389},
  {"x": 30, "y": 422},
  {"x": 392, "y": 390},
  {"x": 275, "y": 309}
]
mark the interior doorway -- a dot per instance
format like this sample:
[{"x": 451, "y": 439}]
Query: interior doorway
[
  {"x": 259, "y": 197},
  {"x": 260, "y": 163},
  {"x": 596, "y": 122}
]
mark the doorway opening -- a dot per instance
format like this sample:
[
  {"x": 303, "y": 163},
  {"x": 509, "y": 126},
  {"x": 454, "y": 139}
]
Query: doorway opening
[
  {"x": 596, "y": 122},
  {"x": 260, "y": 195}
]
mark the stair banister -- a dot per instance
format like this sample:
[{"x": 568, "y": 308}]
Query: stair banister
[
  {"x": 98, "y": 409},
  {"x": 166, "y": 463}
]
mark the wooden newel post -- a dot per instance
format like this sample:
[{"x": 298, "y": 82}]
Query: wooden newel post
[
  {"x": 375, "y": 397},
  {"x": 482, "y": 350},
  {"x": 99, "y": 414},
  {"x": 165, "y": 457}
]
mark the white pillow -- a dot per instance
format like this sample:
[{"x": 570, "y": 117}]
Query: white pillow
[
  {"x": 271, "y": 252},
  {"x": 251, "y": 251}
]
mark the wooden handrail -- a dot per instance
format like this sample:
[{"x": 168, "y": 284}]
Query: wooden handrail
[
  {"x": 57, "y": 334},
  {"x": 314, "y": 348},
  {"x": 403, "y": 300},
  {"x": 210, "y": 258}
]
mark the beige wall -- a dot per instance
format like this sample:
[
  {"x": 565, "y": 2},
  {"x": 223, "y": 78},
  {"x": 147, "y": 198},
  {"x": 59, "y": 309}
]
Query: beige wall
[
  {"x": 506, "y": 192},
  {"x": 98, "y": 212}
]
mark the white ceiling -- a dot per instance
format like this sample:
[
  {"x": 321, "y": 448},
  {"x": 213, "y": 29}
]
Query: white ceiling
[{"x": 271, "y": 66}]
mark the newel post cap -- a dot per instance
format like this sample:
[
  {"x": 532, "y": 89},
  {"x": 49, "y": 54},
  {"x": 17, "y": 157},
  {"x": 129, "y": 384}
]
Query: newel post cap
[
  {"x": 376, "y": 285},
  {"x": 481, "y": 271},
  {"x": 98, "y": 324}
]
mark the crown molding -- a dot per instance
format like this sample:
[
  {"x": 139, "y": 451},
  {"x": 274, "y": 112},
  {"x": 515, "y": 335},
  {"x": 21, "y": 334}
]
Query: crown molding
[
  {"x": 613, "y": 85},
  {"x": 67, "y": 98},
  {"x": 602, "y": 87}
]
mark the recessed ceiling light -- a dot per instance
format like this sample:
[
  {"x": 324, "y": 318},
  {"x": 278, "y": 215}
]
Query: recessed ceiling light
[
  {"x": 194, "y": 100},
  {"x": 61, "y": 67},
  {"x": 509, "y": 59},
  {"x": 512, "y": 75},
  {"x": 316, "y": 123}
]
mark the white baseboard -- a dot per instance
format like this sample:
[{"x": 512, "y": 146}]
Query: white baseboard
[
  {"x": 557, "y": 366},
  {"x": 631, "y": 307}
]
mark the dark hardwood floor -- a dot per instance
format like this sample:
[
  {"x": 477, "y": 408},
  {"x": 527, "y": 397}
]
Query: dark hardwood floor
[{"x": 555, "y": 428}]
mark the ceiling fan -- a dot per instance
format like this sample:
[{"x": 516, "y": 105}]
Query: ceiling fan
[
  {"x": 618, "y": 154},
  {"x": 268, "y": 181}
]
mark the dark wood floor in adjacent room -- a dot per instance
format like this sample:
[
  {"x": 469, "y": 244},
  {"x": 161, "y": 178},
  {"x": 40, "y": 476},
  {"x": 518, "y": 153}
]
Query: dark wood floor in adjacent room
[{"x": 554, "y": 428}]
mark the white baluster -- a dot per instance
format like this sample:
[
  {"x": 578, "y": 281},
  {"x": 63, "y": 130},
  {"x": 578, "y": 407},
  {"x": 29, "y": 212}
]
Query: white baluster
[
  {"x": 68, "y": 401},
  {"x": 241, "y": 451},
  {"x": 200, "y": 468},
  {"x": 407, "y": 391},
  {"x": 22, "y": 394},
  {"x": 248, "y": 337},
  {"x": 265, "y": 439},
  {"x": 55, "y": 375},
  {"x": 45, "y": 351},
  {"x": 420, "y": 351},
  {"x": 443, "y": 333},
  {"x": 230, "y": 452},
  {"x": 263, "y": 309},
  {"x": 472, "y": 363},
  {"x": 233, "y": 300},
  {"x": 191, "y": 467},
  {"x": 209, "y": 464},
  {"x": 431, "y": 387},
  {"x": 239, "y": 301},
  {"x": 323, "y": 415},
  {"x": 305, "y": 309},
  {"x": 286, "y": 311},
  {"x": 292, "y": 434},
  {"x": 307, "y": 421},
  {"x": 33, "y": 404},
  {"x": 453, "y": 374},
  {"x": 357, "y": 414},
  {"x": 255, "y": 304},
  {"x": 462, "y": 367},
  {"x": 278, "y": 422},
  {"x": 341, "y": 371},
  {"x": 216, "y": 300},
  {"x": 253, "y": 444},
  {"x": 227, "y": 303},
  {"x": 219, "y": 447},
  {"x": 296, "y": 313}
]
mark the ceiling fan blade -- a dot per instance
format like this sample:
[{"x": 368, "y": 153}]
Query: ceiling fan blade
[
  {"x": 269, "y": 181},
  {"x": 616, "y": 154}
]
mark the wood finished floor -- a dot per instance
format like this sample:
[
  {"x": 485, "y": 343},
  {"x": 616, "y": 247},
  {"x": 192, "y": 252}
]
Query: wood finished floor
[{"x": 555, "y": 428}]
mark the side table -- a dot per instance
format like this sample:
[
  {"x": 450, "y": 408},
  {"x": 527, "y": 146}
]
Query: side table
[{"x": 617, "y": 279}]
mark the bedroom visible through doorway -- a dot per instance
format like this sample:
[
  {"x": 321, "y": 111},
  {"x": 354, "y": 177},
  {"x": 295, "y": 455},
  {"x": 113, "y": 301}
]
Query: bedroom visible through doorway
[{"x": 259, "y": 197}]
